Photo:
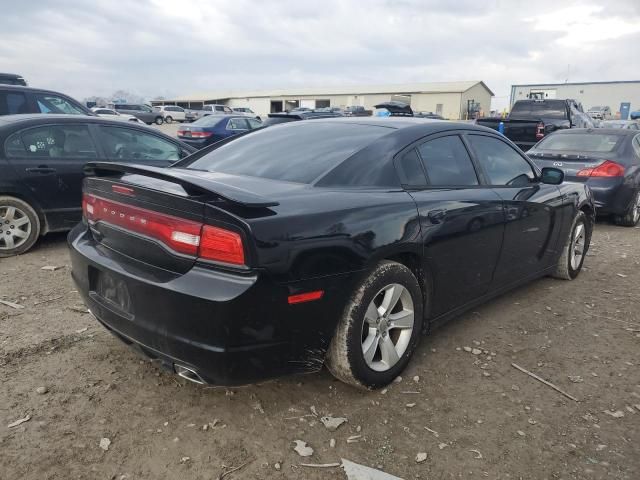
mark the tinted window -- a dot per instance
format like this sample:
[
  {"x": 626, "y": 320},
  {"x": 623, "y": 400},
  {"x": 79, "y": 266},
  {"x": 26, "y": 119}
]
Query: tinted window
[
  {"x": 237, "y": 124},
  {"x": 447, "y": 162},
  {"x": 129, "y": 144},
  {"x": 52, "y": 141},
  {"x": 13, "y": 103},
  {"x": 209, "y": 121},
  {"x": 275, "y": 120},
  {"x": 580, "y": 142},
  {"x": 410, "y": 170},
  {"x": 547, "y": 108},
  {"x": 55, "y": 104},
  {"x": 502, "y": 164},
  {"x": 300, "y": 152}
]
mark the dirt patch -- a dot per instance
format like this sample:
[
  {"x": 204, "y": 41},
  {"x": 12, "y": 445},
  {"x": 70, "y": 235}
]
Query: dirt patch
[{"x": 474, "y": 415}]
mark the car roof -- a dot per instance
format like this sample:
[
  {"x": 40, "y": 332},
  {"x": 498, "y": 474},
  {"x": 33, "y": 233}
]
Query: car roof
[{"x": 31, "y": 89}]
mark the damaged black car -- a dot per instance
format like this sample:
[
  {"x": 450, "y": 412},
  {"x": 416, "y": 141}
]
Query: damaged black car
[{"x": 337, "y": 242}]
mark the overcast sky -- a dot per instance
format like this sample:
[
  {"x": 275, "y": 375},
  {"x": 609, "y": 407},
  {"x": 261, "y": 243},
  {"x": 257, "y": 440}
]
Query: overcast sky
[{"x": 166, "y": 47}]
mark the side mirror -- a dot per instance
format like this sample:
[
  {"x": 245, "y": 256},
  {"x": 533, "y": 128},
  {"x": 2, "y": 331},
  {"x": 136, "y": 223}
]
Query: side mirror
[{"x": 552, "y": 176}]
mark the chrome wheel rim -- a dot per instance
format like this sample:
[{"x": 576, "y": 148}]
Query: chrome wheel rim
[
  {"x": 387, "y": 328},
  {"x": 577, "y": 246},
  {"x": 636, "y": 209},
  {"x": 15, "y": 227}
]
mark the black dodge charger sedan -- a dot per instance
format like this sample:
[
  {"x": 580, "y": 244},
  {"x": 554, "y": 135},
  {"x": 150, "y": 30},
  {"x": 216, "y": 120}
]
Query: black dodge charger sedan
[{"x": 336, "y": 242}]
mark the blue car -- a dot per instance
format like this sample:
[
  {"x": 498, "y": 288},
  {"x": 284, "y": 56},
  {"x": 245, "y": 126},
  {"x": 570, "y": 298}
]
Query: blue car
[{"x": 213, "y": 128}]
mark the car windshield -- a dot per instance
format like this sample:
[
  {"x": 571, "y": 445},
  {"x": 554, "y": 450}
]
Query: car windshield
[
  {"x": 544, "y": 109},
  {"x": 580, "y": 142},
  {"x": 299, "y": 152},
  {"x": 209, "y": 120}
]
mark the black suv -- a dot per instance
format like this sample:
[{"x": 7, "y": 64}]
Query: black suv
[
  {"x": 16, "y": 99},
  {"x": 12, "y": 79}
]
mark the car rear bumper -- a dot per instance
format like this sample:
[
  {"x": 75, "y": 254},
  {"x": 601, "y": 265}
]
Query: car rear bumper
[
  {"x": 228, "y": 329},
  {"x": 611, "y": 195}
]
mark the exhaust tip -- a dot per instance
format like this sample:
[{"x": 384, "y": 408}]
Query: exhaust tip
[{"x": 188, "y": 374}]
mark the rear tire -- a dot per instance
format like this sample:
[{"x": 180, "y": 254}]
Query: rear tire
[
  {"x": 575, "y": 248},
  {"x": 19, "y": 226},
  {"x": 168, "y": 120},
  {"x": 632, "y": 215},
  {"x": 159, "y": 121},
  {"x": 379, "y": 329}
]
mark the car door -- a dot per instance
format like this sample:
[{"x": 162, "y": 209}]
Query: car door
[
  {"x": 461, "y": 220},
  {"x": 130, "y": 144},
  {"x": 178, "y": 113},
  {"x": 49, "y": 160},
  {"x": 533, "y": 210}
]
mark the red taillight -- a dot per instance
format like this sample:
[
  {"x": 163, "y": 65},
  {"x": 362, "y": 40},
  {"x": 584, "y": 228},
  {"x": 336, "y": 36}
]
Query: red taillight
[
  {"x": 179, "y": 234},
  {"x": 605, "y": 169},
  {"x": 183, "y": 236},
  {"x": 305, "y": 297},
  {"x": 539, "y": 131},
  {"x": 192, "y": 134},
  {"x": 221, "y": 245},
  {"x": 121, "y": 189}
]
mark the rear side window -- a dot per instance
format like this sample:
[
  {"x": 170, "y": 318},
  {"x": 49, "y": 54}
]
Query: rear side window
[
  {"x": 299, "y": 152},
  {"x": 54, "y": 104},
  {"x": 237, "y": 124},
  {"x": 636, "y": 145},
  {"x": 447, "y": 162},
  {"x": 13, "y": 103},
  {"x": 52, "y": 141},
  {"x": 548, "y": 109},
  {"x": 410, "y": 169},
  {"x": 502, "y": 164},
  {"x": 130, "y": 144},
  {"x": 580, "y": 142}
]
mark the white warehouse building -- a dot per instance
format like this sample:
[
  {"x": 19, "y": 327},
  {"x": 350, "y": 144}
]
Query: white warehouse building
[
  {"x": 621, "y": 97},
  {"x": 452, "y": 100}
]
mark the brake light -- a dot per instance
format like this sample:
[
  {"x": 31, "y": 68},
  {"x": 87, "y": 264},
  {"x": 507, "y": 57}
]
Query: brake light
[
  {"x": 192, "y": 134},
  {"x": 183, "y": 236},
  {"x": 606, "y": 169},
  {"x": 221, "y": 245},
  {"x": 305, "y": 297},
  {"x": 539, "y": 131},
  {"x": 121, "y": 189}
]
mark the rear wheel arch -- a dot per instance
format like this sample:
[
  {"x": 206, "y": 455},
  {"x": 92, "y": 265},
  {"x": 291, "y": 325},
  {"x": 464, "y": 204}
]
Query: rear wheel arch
[{"x": 423, "y": 274}]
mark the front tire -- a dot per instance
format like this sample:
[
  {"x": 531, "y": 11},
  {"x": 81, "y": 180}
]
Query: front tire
[
  {"x": 159, "y": 121},
  {"x": 19, "y": 226},
  {"x": 575, "y": 248},
  {"x": 379, "y": 329},
  {"x": 632, "y": 215}
]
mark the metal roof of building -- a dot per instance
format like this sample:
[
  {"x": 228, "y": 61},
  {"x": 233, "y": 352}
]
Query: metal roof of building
[
  {"x": 395, "y": 89},
  {"x": 572, "y": 83}
]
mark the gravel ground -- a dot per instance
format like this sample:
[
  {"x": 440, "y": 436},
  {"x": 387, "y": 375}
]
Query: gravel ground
[{"x": 469, "y": 416}]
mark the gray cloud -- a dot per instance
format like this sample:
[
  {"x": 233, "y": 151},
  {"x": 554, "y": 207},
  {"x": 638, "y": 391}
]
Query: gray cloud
[{"x": 162, "y": 47}]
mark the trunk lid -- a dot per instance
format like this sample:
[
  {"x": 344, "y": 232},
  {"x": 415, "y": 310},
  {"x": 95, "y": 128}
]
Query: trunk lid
[{"x": 569, "y": 163}]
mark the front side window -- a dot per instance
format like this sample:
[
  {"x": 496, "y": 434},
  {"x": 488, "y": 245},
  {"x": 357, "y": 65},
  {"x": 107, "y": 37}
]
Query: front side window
[
  {"x": 133, "y": 145},
  {"x": 447, "y": 162},
  {"x": 253, "y": 123},
  {"x": 13, "y": 103},
  {"x": 502, "y": 164},
  {"x": 55, "y": 104},
  {"x": 52, "y": 141}
]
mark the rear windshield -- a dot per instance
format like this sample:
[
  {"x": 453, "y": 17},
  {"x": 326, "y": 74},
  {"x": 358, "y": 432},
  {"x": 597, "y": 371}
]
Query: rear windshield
[
  {"x": 299, "y": 152},
  {"x": 547, "y": 109},
  {"x": 580, "y": 142},
  {"x": 209, "y": 120}
]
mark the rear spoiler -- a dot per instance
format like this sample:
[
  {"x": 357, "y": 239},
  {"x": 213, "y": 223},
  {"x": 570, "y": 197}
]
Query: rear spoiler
[{"x": 190, "y": 180}]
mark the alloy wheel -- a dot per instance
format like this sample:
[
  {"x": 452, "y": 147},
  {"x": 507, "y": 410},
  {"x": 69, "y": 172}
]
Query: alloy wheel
[
  {"x": 636, "y": 209},
  {"x": 15, "y": 227},
  {"x": 387, "y": 328},
  {"x": 577, "y": 246}
]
